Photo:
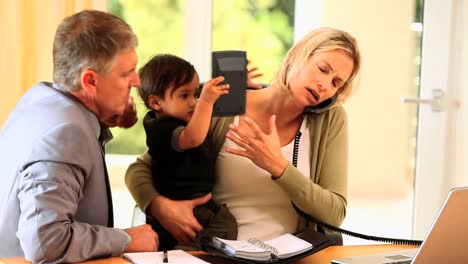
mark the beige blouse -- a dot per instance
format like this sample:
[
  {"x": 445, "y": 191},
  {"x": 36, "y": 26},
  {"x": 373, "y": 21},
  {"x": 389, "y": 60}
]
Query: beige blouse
[{"x": 320, "y": 193}]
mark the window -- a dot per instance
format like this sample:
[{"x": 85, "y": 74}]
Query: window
[
  {"x": 159, "y": 26},
  {"x": 166, "y": 27},
  {"x": 266, "y": 29}
]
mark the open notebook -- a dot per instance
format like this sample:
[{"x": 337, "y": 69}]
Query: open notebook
[
  {"x": 283, "y": 249},
  {"x": 446, "y": 241}
]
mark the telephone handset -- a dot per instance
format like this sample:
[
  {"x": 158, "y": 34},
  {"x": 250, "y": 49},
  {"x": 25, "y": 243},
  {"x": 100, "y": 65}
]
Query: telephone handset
[
  {"x": 322, "y": 107},
  {"x": 337, "y": 229},
  {"x": 232, "y": 64}
]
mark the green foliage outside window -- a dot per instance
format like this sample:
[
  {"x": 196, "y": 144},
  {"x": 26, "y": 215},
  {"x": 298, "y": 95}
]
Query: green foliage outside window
[{"x": 263, "y": 28}]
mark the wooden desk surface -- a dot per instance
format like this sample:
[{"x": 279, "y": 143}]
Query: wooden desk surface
[{"x": 321, "y": 257}]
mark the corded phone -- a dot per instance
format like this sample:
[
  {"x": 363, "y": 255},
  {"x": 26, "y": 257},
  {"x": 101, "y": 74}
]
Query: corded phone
[
  {"x": 337, "y": 229},
  {"x": 232, "y": 64}
]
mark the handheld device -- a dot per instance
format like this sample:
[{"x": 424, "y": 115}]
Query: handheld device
[
  {"x": 322, "y": 107},
  {"x": 232, "y": 64}
]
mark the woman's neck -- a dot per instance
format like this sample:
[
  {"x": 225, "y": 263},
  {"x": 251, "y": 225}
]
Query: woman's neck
[{"x": 273, "y": 101}]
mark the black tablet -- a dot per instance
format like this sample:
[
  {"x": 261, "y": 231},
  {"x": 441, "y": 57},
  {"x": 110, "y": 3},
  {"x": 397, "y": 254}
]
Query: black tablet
[{"x": 232, "y": 64}]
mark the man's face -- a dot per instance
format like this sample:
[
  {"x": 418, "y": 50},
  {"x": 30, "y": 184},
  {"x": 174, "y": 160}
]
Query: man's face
[{"x": 113, "y": 89}]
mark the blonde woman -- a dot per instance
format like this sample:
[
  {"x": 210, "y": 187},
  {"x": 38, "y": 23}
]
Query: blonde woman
[{"x": 256, "y": 177}]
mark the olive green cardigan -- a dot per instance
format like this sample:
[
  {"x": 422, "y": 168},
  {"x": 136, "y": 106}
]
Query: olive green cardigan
[{"x": 323, "y": 195}]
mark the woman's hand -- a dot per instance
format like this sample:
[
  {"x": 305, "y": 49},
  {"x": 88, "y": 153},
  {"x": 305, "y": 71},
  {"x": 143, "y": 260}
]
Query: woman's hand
[
  {"x": 262, "y": 149},
  {"x": 177, "y": 216},
  {"x": 253, "y": 73}
]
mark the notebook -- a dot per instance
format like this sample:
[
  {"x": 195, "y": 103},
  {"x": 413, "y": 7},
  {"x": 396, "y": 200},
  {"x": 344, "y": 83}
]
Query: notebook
[
  {"x": 284, "y": 246},
  {"x": 283, "y": 249},
  {"x": 173, "y": 256},
  {"x": 446, "y": 241}
]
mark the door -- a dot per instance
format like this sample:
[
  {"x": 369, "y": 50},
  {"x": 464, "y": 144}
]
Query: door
[{"x": 440, "y": 163}]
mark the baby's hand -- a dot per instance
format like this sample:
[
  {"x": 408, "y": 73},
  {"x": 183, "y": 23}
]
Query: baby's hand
[{"x": 212, "y": 90}]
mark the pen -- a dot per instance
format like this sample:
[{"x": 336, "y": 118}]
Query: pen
[{"x": 165, "y": 259}]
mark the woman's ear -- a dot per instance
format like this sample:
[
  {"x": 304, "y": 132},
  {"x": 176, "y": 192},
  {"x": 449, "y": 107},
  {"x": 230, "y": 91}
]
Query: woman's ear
[
  {"x": 88, "y": 80},
  {"x": 153, "y": 102}
]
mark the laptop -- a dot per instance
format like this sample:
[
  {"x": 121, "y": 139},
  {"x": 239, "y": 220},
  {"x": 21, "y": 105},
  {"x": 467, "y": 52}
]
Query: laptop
[{"x": 446, "y": 241}]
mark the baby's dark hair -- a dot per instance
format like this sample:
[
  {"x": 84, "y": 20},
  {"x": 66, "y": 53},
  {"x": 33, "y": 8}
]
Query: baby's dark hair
[{"x": 161, "y": 72}]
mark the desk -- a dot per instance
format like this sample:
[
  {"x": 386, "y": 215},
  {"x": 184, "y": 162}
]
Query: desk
[{"x": 321, "y": 257}]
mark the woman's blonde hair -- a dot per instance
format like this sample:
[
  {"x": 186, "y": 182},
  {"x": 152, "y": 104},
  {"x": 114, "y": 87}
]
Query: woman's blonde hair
[
  {"x": 89, "y": 39},
  {"x": 323, "y": 39}
]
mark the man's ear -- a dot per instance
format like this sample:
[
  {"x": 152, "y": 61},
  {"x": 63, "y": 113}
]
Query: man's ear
[
  {"x": 88, "y": 80},
  {"x": 153, "y": 102}
]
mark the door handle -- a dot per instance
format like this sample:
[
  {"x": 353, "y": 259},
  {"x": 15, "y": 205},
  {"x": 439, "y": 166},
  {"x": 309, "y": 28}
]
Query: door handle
[{"x": 438, "y": 102}]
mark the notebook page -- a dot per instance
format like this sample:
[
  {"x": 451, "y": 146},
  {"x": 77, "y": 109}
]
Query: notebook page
[
  {"x": 288, "y": 245},
  {"x": 174, "y": 256},
  {"x": 236, "y": 246}
]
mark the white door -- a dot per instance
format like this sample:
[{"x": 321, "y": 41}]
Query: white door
[{"x": 441, "y": 147}]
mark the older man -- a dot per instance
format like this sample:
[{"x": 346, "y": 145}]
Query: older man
[{"x": 55, "y": 203}]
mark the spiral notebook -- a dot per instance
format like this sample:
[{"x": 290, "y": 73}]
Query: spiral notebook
[{"x": 282, "y": 249}]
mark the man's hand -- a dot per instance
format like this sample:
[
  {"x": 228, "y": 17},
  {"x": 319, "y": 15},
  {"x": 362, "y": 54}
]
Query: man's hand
[
  {"x": 143, "y": 239},
  {"x": 177, "y": 216},
  {"x": 127, "y": 119}
]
